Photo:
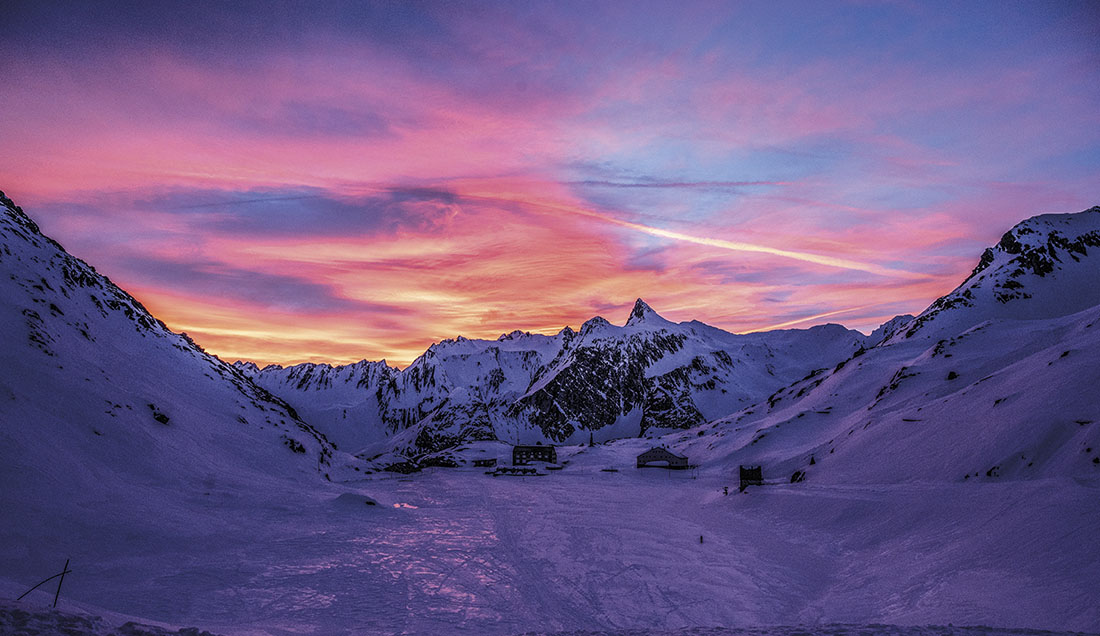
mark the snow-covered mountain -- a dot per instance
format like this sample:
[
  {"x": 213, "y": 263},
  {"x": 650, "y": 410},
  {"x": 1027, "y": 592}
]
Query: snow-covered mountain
[
  {"x": 603, "y": 381},
  {"x": 1041, "y": 268},
  {"x": 95, "y": 392},
  {"x": 996, "y": 380}
]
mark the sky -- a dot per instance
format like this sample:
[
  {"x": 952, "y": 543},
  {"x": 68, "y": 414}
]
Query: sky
[{"x": 329, "y": 182}]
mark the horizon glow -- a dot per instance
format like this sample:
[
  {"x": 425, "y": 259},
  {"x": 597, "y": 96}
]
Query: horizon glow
[{"x": 292, "y": 182}]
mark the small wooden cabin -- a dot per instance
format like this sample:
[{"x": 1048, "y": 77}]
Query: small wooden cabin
[
  {"x": 751, "y": 476},
  {"x": 660, "y": 456},
  {"x": 522, "y": 455}
]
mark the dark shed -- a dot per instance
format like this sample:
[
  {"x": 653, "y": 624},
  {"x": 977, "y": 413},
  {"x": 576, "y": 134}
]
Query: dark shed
[{"x": 751, "y": 476}]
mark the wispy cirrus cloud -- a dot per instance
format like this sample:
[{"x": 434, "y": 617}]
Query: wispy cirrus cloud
[{"x": 678, "y": 185}]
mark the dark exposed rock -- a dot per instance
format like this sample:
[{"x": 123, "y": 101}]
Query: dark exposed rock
[
  {"x": 403, "y": 468},
  {"x": 157, "y": 414},
  {"x": 294, "y": 444}
]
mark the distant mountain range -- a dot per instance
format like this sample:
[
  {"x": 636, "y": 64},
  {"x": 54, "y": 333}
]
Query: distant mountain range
[{"x": 601, "y": 382}]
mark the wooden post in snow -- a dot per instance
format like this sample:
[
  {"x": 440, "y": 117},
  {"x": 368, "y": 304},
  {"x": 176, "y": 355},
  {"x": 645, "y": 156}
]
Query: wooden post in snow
[{"x": 64, "y": 570}]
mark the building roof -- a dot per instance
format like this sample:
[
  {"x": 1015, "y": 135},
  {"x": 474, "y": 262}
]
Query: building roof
[{"x": 663, "y": 450}]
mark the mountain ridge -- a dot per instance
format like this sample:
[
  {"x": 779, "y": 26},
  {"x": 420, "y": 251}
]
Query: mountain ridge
[
  {"x": 602, "y": 381},
  {"x": 1032, "y": 271},
  {"x": 984, "y": 385},
  {"x": 87, "y": 342}
]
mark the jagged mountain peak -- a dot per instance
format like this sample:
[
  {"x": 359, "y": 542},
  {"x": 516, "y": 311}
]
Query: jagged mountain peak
[
  {"x": 1039, "y": 227},
  {"x": 640, "y": 310},
  {"x": 1038, "y": 244},
  {"x": 643, "y": 314},
  {"x": 248, "y": 368}
]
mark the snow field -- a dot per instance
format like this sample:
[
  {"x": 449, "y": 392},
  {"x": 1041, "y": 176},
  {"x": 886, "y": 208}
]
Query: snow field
[{"x": 452, "y": 550}]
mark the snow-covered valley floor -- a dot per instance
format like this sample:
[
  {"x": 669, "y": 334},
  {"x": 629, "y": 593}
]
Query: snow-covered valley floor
[{"x": 453, "y": 550}]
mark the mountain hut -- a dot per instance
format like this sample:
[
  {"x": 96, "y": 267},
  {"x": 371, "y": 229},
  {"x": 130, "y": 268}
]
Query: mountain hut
[
  {"x": 663, "y": 458},
  {"x": 522, "y": 455}
]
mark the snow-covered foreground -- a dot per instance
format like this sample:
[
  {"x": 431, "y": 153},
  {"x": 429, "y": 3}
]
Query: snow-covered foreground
[
  {"x": 19, "y": 619},
  {"x": 455, "y": 550}
]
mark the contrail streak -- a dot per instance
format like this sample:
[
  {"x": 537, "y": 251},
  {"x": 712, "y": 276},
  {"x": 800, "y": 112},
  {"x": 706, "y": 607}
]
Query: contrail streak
[
  {"x": 739, "y": 246},
  {"x": 686, "y": 185},
  {"x": 736, "y": 246},
  {"x": 808, "y": 318}
]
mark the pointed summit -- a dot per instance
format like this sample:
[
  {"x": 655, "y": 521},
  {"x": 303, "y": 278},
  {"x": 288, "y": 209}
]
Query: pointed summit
[{"x": 643, "y": 314}]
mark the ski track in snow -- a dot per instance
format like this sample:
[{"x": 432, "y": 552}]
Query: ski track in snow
[{"x": 454, "y": 550}]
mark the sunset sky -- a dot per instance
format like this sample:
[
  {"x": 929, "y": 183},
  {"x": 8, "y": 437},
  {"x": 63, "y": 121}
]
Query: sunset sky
[{"x": 318, "y": 181}]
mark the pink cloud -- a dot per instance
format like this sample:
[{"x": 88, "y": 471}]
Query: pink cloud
[{"x": 781, "y": 190}]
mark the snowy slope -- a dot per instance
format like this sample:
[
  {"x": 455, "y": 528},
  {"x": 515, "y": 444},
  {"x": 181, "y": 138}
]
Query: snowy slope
[
  {"x": 349, "y": 413},
  {"x": 1041, "y": 268},
  {"x": 118, "y": 436},
  {"x": 997, "y": 380},
  {"x": 97, "y": 396},
  {"x": 604, "y": 380}
]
